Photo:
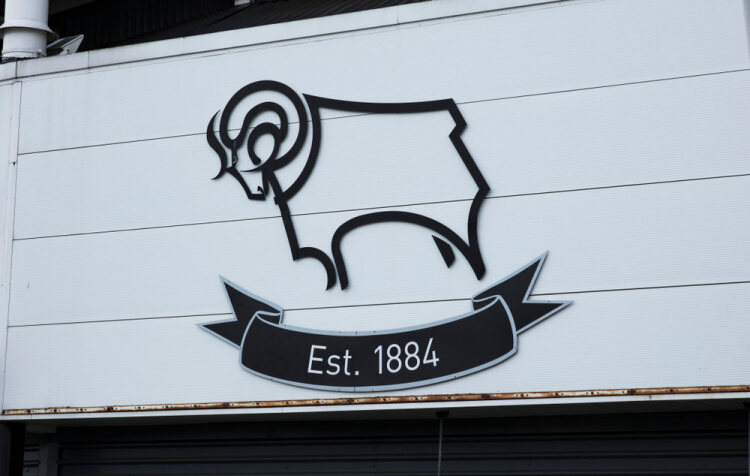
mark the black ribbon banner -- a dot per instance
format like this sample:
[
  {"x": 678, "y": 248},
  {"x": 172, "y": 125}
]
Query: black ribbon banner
[{"x": 385, "y": 360}]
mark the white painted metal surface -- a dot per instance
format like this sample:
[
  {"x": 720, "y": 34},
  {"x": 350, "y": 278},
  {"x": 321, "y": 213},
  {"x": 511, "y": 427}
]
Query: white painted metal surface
[
  {"x": 612, "y": 133},
  {"x": 6, "y": 114},
  {"x": 638, "y": 133},
  {"x": 533, "y": 51},
  {"x": 626, "y": 339},
  {"x": 652, "y": 235},
  {"x": 10, "y": 99}
]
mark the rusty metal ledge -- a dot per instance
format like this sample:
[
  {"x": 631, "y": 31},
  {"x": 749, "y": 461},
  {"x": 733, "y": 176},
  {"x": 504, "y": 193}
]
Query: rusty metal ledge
[{"x": 380, "y": 400}]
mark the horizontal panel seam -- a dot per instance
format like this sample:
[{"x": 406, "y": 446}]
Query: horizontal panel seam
[
  {"x": 477, "y": 101},
  {"x": 383, "y": 207},
  {"x": 400, "y": 303}
]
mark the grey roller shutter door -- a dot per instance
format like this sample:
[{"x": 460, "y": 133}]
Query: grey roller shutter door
[{"x": 622, "y": 444}]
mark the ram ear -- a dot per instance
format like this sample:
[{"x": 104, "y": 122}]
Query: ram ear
[{"x": 215, "y": 143}]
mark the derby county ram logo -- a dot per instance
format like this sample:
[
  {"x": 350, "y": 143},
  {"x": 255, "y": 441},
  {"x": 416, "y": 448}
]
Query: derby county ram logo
[
  {"x": 230, "y": 148},
  {"x": 295, "y": 157}
]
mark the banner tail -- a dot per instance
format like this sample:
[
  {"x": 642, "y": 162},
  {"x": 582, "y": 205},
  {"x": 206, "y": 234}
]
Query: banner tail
[
  {"x": 515, "y": 290},
  {"x": 245, "y": 306}
]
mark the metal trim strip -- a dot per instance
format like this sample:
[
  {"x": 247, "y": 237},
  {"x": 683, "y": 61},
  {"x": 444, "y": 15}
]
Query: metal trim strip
[{"x": 380, "y": 400}]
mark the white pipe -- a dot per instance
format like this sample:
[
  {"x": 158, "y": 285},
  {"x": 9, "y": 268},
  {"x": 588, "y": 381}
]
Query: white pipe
[{"x": 25, "y": 32}]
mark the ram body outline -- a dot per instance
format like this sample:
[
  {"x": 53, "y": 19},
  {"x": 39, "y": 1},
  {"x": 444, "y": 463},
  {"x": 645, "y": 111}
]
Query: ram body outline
[{"x": 334, "y": 263}]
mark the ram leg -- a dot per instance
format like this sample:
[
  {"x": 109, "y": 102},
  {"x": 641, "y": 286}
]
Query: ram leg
[{"x": 446, "y": 251}]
